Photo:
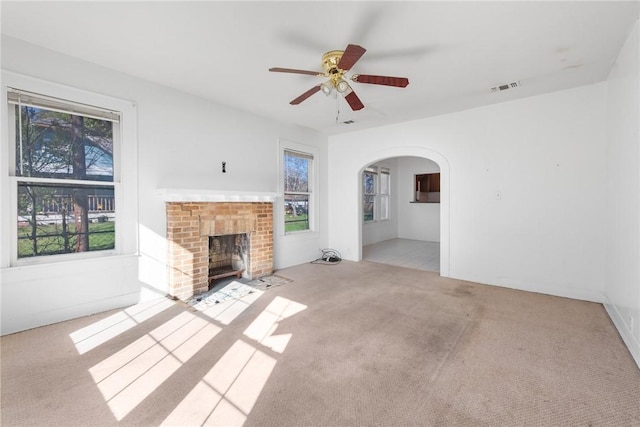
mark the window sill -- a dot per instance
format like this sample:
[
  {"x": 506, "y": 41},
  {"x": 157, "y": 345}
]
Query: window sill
[
  {"x": 51, "y": 260},
  {"x": 375, "y": 221},
  {"x": 301, "y": 235}
]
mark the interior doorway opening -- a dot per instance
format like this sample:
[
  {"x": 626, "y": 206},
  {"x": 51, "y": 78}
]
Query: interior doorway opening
[{"x": 400, "y": 225}]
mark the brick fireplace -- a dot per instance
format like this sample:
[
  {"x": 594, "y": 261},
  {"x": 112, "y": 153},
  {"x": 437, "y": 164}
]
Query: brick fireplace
[{"x": 191, "y": 223}]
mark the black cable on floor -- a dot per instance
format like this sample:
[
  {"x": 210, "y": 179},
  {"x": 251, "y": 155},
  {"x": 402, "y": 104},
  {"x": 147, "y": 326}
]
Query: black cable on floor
[{"x": 329, "y": 257}]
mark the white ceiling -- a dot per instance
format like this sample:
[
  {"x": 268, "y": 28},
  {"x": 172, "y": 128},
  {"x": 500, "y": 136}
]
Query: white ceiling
[{"x": 452, "y": 52}]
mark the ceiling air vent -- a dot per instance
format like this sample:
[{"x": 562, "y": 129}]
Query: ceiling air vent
[{"x": 505, "y": 86}]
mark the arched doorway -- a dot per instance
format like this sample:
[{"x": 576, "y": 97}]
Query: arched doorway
[
  {"x": 393, "y": 154},
  {"x": 400, "y": 218}
]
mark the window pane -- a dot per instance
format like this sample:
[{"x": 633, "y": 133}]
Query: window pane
[
  {"x": 57, "y": 219},
  {"x": 384, "y": 183},
  {"x": 296, "y": 172},
  {"x": 369, "y": 183},
  {"x": 367, "y": 206},
  {"x": 384, "y": 207},
  {"x": 51, "y": 144},
  {"x": 296, "y": 212}
]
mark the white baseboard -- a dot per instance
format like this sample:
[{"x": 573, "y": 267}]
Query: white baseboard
[
  {"x": 19, "y": 323},
  {"x": 631, "y": 342},
  {"x": 553, "y": 290}
]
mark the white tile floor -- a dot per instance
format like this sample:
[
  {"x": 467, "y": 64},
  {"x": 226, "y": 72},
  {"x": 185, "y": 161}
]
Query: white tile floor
[{"x": 408, "y": 253}]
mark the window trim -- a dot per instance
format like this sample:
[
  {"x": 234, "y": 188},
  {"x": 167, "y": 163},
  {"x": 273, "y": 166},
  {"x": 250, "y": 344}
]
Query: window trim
[
  {"x": 125, "y": 161},
  {"x": 313, "y": 153},
  {"x": 37, "y": 100},
  {"x": 377, "y": 171}
]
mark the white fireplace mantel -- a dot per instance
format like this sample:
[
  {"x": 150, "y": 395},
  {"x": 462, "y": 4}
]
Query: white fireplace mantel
[{"x": 198, "y": 195}]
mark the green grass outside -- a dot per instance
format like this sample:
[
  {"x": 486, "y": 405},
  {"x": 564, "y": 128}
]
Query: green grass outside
[
  {"x": 296, "y": 223},
  {"x": 102, "y": 237}
]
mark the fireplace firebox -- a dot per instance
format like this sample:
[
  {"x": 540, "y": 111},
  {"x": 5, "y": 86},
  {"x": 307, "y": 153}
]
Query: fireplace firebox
[{"x": 228, "y": 256}]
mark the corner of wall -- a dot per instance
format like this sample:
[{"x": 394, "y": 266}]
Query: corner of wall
[{"x": 625, "y": 333}]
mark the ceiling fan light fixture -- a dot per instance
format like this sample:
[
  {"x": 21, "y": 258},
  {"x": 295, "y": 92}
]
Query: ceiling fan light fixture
[
  {"x": 327, "y": 87},
  {"x": 343, "y": 86}
]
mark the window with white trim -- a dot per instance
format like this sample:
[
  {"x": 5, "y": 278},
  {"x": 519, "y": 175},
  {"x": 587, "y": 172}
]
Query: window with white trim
[
  {"x": 369, "y": 184},
  {"x": 385, "y": 189},
  {"x": 376, "y": 185},
  {"x": 64, "y": 173},
  {"x": 298, "y": 185}
]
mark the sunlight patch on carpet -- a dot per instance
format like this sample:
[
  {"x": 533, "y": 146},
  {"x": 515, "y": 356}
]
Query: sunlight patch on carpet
[
  {"x": 129, "y": 376},
  {"x": 266, "y": 323},
  {"x": 227, "y": 393},
  {"x": 98, "y": 333}
]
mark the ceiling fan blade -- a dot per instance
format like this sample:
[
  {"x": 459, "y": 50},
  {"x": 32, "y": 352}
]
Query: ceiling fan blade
[
  {"x": 381, "y": 80},
  {"x": 293, "y": 71},
  {"x": 354, "y": 101},
  {"x": 305, "y": 95},
  {"x": 351, "y": 54}
]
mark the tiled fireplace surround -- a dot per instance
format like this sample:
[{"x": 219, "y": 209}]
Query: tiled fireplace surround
[{"x": 189, "y": 225}]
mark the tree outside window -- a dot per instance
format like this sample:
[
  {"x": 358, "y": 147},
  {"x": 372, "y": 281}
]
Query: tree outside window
[
  {"x": 65, "y": 173},
  {"x": 369, "y": 183},
  {"x": 297, "y": 190}
]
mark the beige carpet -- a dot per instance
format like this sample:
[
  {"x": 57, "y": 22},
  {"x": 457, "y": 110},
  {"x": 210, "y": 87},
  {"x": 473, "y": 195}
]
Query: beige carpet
[{"x": 352, "y": 344}]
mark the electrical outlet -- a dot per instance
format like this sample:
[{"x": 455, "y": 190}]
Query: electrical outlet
[
  {"x": 630, "y": 324},
  {"x": 498, "y": 195}
]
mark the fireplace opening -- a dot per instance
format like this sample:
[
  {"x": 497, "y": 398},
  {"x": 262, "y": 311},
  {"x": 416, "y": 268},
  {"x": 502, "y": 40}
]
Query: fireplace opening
[{"x": 228, "y": 256}]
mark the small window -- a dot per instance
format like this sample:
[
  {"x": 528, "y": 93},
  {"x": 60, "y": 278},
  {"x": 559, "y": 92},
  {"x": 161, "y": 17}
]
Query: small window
[
  {"x": 64, "y": 168},
  {"x": 297, "y": 190}
]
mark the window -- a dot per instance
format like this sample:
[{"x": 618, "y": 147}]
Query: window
[
  {"x": 64, "y": 173},
  {"x": 376, "y": 185},
  {"x": 369, "y": 183},
  {"x": 297, "y": 169},
  {"x": 385, "y": 186}
]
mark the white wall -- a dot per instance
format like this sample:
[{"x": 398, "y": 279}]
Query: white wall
[
  {"x": 417, "y": 221},
  {"x": 182, "y": 140},
  {"x": 623, "y": 191},
  {"x": 543, "y": 154}
]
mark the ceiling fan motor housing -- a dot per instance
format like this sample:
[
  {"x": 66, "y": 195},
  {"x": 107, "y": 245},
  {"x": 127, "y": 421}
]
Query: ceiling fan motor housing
[{"x": 330, "y": 61}]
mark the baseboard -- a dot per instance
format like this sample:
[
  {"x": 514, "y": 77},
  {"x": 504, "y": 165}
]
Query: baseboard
[
  {"x": 553, "y": 290},
  {"x": 36, "y": 320},
  {"x": 580, "y": 294},
  {"x": 630, "y": 341}
]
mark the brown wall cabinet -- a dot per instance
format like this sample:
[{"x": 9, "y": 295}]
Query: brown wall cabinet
[{"x": 427, "y": 188}]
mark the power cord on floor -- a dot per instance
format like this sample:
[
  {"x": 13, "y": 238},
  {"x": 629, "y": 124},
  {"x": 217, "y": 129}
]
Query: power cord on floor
[{"x": 329, "y": 257}]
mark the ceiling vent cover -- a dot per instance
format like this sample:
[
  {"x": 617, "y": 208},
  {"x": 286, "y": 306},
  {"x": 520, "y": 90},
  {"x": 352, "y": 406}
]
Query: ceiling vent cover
[{"x": 505, "y": 86}]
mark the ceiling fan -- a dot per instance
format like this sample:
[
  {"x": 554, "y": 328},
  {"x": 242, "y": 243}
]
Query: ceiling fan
[{"x": 336, "y": 64}]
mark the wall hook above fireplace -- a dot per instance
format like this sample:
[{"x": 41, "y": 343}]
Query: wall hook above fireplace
[{"x": 224, "y": 167}]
